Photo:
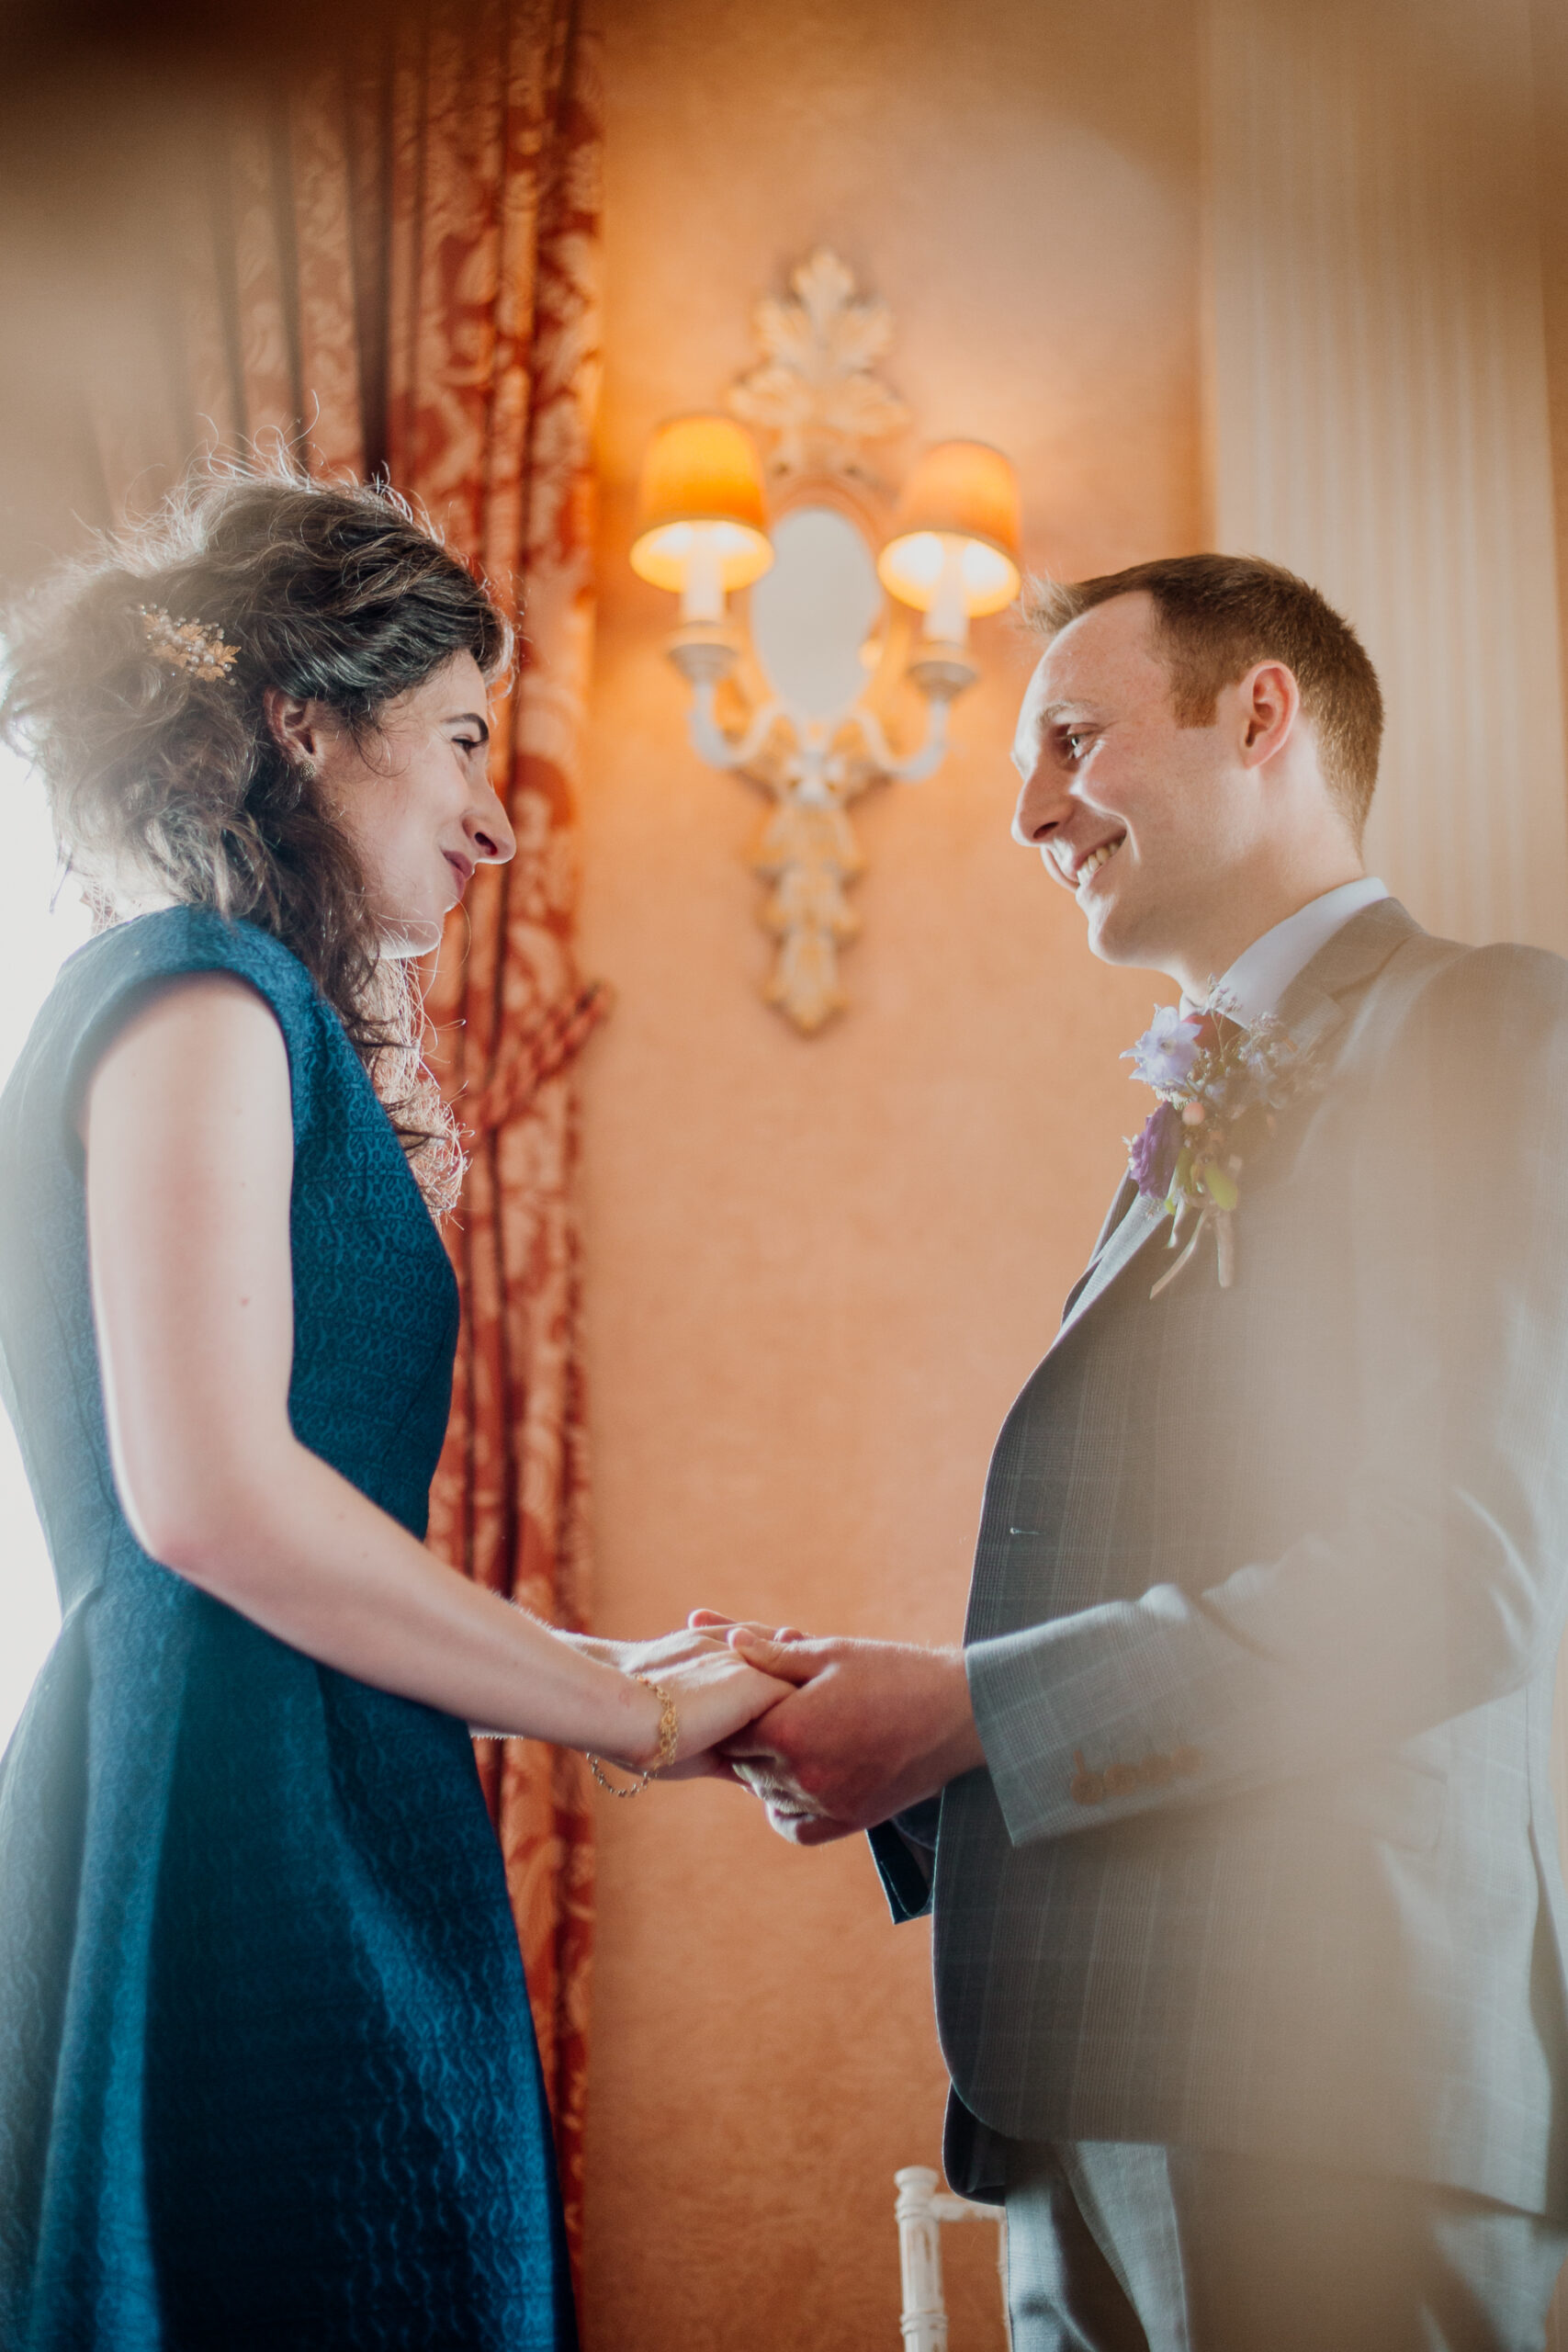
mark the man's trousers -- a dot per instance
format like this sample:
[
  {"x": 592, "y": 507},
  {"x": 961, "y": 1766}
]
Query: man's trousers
[{"x": 1120, "y": 2247}]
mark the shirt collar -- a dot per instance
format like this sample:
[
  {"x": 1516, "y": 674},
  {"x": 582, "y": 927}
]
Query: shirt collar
[{"x": 1261, "y": 973}]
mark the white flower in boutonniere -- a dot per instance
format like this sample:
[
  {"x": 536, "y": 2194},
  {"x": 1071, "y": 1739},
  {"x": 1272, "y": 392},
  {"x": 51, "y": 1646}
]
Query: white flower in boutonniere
[{"x": 1221, "y": 1083}]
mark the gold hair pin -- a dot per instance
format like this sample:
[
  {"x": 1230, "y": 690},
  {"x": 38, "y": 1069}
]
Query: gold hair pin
[{"x": 194, "y": 645}]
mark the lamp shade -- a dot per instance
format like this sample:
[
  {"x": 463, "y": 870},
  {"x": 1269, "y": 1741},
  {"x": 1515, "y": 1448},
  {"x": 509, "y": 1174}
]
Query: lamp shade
[
  {"x": 701, "y": 480},
  {"x": 962, "y": 501}
]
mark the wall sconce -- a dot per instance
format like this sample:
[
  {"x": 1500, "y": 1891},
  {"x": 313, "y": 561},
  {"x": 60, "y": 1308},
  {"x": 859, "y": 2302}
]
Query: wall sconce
[
  {"x": 798, "y": 703},
  {"x": 702, "y": 522}
]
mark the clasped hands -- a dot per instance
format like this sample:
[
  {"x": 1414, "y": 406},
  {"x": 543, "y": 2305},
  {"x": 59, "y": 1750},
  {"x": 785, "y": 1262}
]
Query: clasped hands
[{"x": 863, "y": 1730}]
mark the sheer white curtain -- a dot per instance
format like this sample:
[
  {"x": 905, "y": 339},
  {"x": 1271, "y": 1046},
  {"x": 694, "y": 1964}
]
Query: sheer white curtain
[
  {"x": 1379, "y": 421},
  {"x": 38, "y": 931},
  {"x": 1381, "y": 416}
]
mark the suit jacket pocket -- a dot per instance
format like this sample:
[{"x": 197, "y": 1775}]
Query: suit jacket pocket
[
  {"x": 1388, "y": 1798},
  {"x": 1400, "y": 1803}
]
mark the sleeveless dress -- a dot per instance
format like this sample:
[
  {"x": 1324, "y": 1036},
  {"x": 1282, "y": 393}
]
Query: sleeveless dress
[{"x": 268, "y": 2070}]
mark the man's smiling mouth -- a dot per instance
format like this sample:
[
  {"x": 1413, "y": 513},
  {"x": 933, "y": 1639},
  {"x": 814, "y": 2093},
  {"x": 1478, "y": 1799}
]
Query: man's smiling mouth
[{"x": 1076, "y": 870}]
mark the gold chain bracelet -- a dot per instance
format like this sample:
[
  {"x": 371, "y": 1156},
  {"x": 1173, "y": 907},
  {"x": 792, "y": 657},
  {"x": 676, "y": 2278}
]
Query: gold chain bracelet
[{"x": 668, "y": 1740}]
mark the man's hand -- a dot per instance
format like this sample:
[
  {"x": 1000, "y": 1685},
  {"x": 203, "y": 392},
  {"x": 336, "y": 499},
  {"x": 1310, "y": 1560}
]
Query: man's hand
[{"x": 872, "y": 1728}]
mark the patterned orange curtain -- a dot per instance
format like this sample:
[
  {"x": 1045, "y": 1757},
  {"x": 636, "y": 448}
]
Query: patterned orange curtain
[{"x": 394, "y": 266}]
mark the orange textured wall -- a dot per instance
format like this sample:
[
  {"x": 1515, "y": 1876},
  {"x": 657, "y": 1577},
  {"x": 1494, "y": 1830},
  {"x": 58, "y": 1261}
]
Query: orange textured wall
[{"x": 817, "y": 1271}]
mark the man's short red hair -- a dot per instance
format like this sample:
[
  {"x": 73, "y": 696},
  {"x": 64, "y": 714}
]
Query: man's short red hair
[{"x": 1216, "y": 617}]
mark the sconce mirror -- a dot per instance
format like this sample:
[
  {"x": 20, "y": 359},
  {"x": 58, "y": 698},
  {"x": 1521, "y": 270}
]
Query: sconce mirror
[
  {"x": 813, "y": 613},
  {"x": 814, "y": 739}
]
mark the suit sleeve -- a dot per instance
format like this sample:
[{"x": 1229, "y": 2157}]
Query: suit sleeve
[{"x": 1438, "y": 1580}]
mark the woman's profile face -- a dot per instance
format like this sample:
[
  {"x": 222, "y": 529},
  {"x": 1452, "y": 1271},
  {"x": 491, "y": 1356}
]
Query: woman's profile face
[{"x": 416, "y": 801}]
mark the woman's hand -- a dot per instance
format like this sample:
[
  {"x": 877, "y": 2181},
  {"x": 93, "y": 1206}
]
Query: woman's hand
[
  {"x": 650, "y": 1657},
  {"x": 713, "y": 1702}
]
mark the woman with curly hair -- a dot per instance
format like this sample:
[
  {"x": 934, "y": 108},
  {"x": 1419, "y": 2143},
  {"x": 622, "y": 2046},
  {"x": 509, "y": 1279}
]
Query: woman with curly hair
[{"x": 268, "y": 2073}]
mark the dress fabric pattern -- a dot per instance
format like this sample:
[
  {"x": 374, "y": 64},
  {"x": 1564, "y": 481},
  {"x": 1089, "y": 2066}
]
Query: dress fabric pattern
[{"x": 268, "y": 2070}]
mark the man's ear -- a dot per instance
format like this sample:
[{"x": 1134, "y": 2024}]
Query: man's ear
[
  {"x": 1269, "y": 704},
  {"x": 295, "y": 725}
]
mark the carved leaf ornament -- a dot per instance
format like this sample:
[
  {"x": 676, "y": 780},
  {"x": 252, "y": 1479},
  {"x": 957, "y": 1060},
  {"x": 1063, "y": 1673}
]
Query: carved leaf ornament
[{"x": 817, "y": 389}]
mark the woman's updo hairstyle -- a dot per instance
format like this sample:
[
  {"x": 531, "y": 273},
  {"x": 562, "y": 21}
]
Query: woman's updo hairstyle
[{"x": 163, "y": 776}]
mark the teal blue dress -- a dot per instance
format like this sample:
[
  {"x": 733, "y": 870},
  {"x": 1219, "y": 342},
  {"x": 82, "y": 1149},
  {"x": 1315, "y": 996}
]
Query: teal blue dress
[{"x": 267, "y": 2072}]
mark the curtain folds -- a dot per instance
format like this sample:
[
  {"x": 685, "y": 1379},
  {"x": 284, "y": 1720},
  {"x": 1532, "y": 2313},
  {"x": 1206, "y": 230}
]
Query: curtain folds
[{"x": 393, "y": 264}]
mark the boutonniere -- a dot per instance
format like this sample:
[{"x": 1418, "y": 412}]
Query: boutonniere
[{"x": 1221, "y": 1083}]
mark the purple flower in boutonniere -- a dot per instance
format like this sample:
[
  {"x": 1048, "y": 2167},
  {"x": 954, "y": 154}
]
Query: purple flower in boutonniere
[
  {"x": 1219, "y": 1081},
  {"x": 1151, "y": 1156}
]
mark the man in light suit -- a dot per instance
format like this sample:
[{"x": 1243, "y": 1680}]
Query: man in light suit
[{"x": 1234, "y": 1807}]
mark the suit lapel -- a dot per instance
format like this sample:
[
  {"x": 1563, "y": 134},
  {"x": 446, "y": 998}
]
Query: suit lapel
[
  {"x": 1127, "y": 1192},
  {"x": 1316, "y": 1004},
  {"x": 1142, "y": 1219}
]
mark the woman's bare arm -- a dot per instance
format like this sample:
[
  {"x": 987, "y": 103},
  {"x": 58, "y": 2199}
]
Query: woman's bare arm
[{"x": 188, "y": 1133}]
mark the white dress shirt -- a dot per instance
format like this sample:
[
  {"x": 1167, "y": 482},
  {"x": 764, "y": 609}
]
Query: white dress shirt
[{"x": 1261, "y": 973}]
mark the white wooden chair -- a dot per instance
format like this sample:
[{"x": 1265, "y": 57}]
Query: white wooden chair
[{"x": 921, "y": 2209}]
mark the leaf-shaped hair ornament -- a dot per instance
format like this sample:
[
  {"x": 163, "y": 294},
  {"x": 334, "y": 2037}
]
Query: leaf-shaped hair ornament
[{"x": 192, "y": 646}]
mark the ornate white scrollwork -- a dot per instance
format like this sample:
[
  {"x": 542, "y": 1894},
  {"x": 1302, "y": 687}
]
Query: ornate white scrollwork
[
  {"x": 816, "y": 385},
  {"x": 806, "y": 710},
  {"x": 807, "y": 848},
  {"x": 816, "y": 741}
]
